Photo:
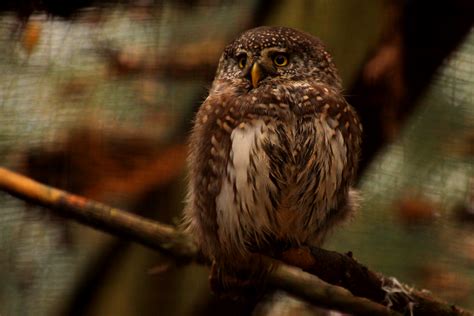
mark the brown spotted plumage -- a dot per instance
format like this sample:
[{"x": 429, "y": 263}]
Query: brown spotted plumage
[{"x": 274, "y": 148}]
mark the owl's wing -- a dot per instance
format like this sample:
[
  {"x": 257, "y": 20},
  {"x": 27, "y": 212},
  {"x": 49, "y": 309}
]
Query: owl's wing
[
  {"x": 312, "y": 164},
  {"x": 208, "y": 157}
]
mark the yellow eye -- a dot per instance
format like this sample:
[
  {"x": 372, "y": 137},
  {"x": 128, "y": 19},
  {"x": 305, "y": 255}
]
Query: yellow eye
[
  {"x": 280, "y": 60},
  {"x": 242, "y": 62}
]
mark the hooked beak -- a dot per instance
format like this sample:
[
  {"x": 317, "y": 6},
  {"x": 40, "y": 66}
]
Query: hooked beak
[{"x": 256, "y": 74}]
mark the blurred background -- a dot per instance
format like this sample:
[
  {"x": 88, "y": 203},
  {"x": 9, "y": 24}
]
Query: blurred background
[{"x": 97, "y": 98}]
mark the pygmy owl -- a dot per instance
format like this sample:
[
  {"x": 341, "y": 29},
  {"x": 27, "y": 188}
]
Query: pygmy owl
[{"x": 274, "y": 148}]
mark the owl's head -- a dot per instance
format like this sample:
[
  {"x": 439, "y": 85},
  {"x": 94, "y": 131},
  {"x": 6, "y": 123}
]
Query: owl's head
[{"x": 268, "y": 55}]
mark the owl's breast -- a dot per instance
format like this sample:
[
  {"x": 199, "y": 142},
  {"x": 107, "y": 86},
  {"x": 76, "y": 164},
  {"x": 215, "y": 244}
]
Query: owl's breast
[
  {"x": 269, "y": 165},
  {"x": 244, "y": 204}
]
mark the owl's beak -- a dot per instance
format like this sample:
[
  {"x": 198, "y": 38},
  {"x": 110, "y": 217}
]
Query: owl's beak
[{"x": 256, "y": 74}]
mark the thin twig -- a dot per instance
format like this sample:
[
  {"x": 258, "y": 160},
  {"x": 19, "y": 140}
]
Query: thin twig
[{"x": 169, "y": 240}]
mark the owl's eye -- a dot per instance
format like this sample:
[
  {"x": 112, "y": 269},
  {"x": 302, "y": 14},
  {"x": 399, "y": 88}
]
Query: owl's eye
[
  {"x": 242, "y": 61},
  {"x": 280, "y": 60}
]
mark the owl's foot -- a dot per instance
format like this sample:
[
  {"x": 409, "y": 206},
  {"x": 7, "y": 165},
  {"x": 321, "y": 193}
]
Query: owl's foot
[{"x": 242, "y": 284}]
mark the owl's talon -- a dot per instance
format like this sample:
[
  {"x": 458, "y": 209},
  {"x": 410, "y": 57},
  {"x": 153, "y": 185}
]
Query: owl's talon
[{"x": 298, "y": 256}]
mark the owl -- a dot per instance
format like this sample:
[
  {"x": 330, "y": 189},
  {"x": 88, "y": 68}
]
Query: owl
[{"x": 274, "y": 149}]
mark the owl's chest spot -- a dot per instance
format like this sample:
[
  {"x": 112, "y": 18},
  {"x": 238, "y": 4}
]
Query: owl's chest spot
[{"x": 242, "y": 204}]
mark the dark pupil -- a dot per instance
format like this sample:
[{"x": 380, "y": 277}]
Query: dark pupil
[
  {"x": 242, "y": 61},
  {"x": 279, "y": 59}
]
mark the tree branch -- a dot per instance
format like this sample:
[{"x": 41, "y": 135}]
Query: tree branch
[
  {"x": 161, "y": 237},
  {"x": 342, "y": 270}
]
